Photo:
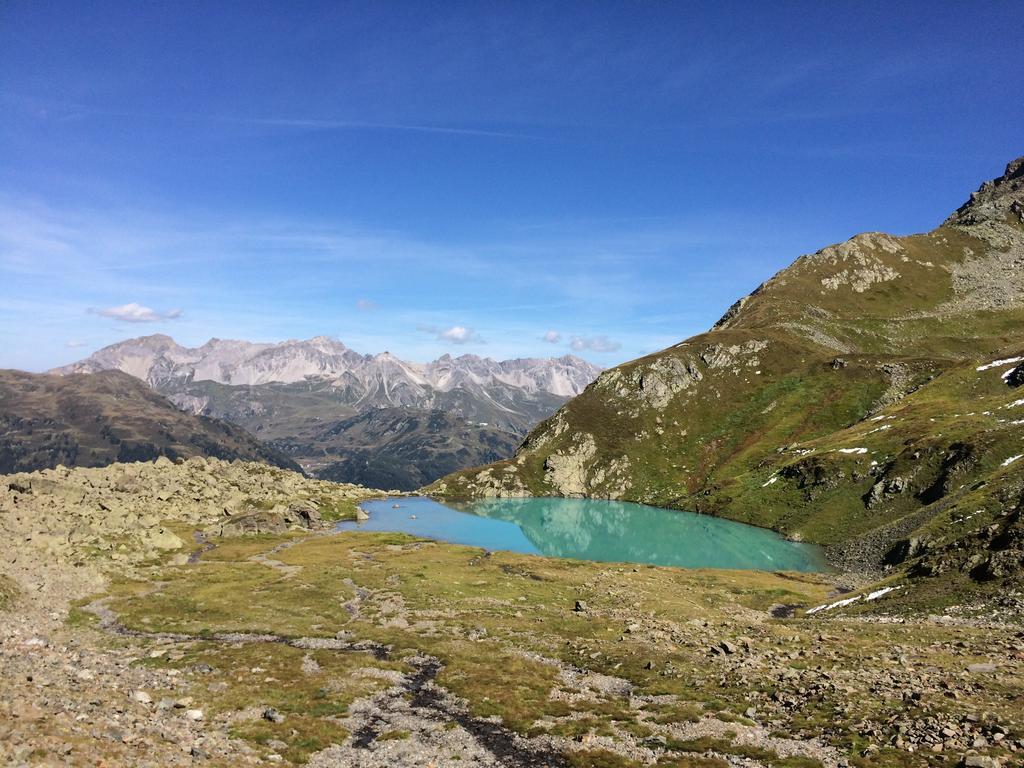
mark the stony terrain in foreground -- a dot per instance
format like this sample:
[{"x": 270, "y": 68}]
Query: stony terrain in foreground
[{"x": 121, "y": 645}]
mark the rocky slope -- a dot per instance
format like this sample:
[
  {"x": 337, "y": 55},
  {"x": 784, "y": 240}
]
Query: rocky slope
[
  {"x": 95, "y": 419},
  {"x": 403, "y": 448},
  {"x": 72, "y": 697},
  {"x": 124, "y": 514},
  {"x": 844, "y": 401}
]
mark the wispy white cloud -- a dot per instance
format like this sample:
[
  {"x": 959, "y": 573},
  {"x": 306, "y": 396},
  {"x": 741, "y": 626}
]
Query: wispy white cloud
[
  {"x": 136, "y": 313},
  {"x": 512, "y": 290},
  {"x": 594, "y": 344},
  {"x": 315, "y": 124},
  {"x": 75, "y": 344},
  {"x": 456, "y": 334}
]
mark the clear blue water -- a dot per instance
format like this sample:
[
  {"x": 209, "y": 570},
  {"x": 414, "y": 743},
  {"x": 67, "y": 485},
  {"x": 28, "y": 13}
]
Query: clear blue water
[{"x": 591, "y": 529}]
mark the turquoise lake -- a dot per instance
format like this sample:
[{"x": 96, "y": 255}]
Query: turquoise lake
[{"x": 591, "y": 529}]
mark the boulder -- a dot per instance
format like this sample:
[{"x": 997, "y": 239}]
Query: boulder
[
  {"x": 1015, "y": 378},
  {"x": 253, "y": 523}
]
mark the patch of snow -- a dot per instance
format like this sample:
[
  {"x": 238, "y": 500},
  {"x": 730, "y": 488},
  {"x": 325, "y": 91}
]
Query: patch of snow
[
  {"x": 881, "y": 428},
  {"x": 968, "y": 517},
  {"x": 831, "y": 606},
  {"x": 1012, "y": 459},
  {"x": 1015, "y": 403},
  {"x": 770, "y": 480},
  {"x": 852, "y": 450},
  {"x": 879, "y": 592},
  {"x": 997, "y": 363}
]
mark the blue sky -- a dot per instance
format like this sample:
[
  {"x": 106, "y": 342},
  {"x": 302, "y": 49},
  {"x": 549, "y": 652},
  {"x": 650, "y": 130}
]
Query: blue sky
[{"x": 504, "y": 179}]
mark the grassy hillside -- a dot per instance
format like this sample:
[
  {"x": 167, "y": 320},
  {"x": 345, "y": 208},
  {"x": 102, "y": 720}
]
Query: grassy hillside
[
  {"x": 91, "y": 420},
  {"x": 839, "y": 403}
]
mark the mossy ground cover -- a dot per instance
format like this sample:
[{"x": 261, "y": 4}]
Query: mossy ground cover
[
  {"x": 311, "y": 689},
  {"x": 511, "y": 644},
  {"x": 8, "y": 592}
]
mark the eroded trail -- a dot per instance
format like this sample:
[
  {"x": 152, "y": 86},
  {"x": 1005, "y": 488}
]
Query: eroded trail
[
  {"x": 110, "y": 623},
  {"x": 417, "y": 722},
  {"x": 435, "y": 727}
]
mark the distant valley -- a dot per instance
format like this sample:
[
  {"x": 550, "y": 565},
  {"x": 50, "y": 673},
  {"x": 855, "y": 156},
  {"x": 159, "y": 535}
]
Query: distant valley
[{"x": 317, "y": 401}]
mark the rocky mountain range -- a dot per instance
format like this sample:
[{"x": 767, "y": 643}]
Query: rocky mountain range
[
  {"x": 378, "y": 380},
  {"x": 865, "y": 397},
  {"x": 294, "y": 392},
  {"x": 95, "y": 420}
]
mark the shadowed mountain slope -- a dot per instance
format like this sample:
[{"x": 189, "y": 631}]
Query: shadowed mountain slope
[
  {"x": 92, "y": 420},
  {"x": 401, "y": 448}
]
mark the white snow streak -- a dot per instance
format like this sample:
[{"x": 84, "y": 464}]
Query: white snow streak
[
  {"x": 837, "y": 604},
  {"x": 997, "y": 363},
  {"x": 879, "y": 592}
]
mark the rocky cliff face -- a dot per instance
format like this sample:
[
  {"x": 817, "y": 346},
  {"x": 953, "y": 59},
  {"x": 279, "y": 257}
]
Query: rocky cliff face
[{"x": 825, "y": 404}]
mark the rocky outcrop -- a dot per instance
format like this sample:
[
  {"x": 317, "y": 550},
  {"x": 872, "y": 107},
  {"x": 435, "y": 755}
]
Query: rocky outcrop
[
  {"x": 129, "y": 513},
  {"x": 994, "y": 199},
  {"x": 568, "y": 471},
  {"x": 855, "y": 264},
  {"x": 1015, "y": 378}
]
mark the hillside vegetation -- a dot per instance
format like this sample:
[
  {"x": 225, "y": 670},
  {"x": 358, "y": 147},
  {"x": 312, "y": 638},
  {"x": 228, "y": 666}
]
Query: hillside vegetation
[{"x": 845, "y": 401}]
